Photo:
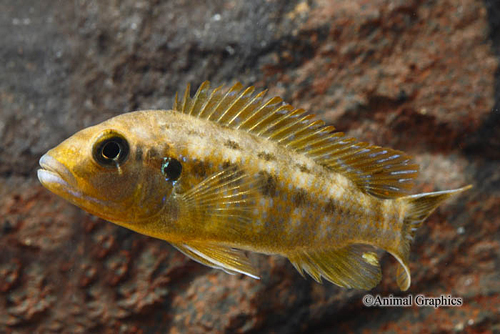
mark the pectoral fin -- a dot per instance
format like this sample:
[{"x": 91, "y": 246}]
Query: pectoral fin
[
  {"x": 224, "y": 202},
  {"x": 228, "y": 259},
  {"x": 354, "y": 266}
]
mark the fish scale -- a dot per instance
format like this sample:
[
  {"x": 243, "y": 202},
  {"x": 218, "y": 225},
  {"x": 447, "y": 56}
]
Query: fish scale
[{"x": 227, "y": 171}]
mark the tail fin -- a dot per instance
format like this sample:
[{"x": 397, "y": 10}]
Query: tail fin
[{"x": 419, "y": 207}]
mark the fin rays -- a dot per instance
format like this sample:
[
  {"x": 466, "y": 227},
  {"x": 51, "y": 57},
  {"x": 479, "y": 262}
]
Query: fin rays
[
  {"x": 230, "y": 260},
  {"x": 354, "y": 266},
  {"x": 223, "y": 200},
  {"x": 381, "y": 172},
  {"x": 419, "y": 207}
]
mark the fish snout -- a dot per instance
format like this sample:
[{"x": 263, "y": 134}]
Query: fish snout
[{"x": 53, "y": 172}]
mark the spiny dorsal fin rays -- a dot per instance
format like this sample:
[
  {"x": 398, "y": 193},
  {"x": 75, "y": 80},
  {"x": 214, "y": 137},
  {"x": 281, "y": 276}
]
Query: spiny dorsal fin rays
[
  {"x": 199, "y": 99},
  {"x": 308, "y": 131},
  {"x": 186, "y": 100},
  {"x": 254, "y": 120},
  {"x": 237, "y": 105},
  {"x": 381, "y": 172},
  {"x": 290, "y": 131},
  {"x": 210, "y": 104},
  {"x": 277, "y": 117},
  {"x": 222, "y": 107},
  {"x": 278, "y": 131},
  {"x": 251, "y": 105}
]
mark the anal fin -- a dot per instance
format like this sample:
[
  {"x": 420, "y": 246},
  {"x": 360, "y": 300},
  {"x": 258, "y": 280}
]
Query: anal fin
[
  {"x": 228, "y": 259},
  {"x": 355, "y": 266}
]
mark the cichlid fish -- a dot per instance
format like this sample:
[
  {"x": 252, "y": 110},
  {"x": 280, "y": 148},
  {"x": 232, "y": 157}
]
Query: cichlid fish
[{"x": 229, "y": 171}]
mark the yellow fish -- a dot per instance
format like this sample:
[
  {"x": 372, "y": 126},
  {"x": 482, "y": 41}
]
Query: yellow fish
[{"x": 229, "y": 171}]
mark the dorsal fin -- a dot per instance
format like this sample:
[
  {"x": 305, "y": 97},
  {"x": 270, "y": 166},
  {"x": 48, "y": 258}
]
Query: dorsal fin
[{"x": 379, "y": 171}]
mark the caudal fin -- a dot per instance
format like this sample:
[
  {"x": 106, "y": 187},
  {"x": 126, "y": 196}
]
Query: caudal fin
[{"x": 419, "y": 207}]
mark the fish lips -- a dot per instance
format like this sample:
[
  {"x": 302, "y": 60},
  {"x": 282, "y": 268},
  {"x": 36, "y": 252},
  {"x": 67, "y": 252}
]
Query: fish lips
[
  {"x": 58, "y": 179},
  {"x": 55, "y": 176}
]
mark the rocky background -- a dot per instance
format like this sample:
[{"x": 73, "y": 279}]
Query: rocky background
[{"x": 416, "y": 75}]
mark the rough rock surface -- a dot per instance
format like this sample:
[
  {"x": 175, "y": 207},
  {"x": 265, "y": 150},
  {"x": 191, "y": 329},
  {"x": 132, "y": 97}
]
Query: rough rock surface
[{"x": 420, "y": 76}]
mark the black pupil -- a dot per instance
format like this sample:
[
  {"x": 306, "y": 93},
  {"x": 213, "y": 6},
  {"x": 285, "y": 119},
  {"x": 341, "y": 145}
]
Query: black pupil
[
  {"x": 172, "y": 169},
  {"x": 111, "y": 150}
]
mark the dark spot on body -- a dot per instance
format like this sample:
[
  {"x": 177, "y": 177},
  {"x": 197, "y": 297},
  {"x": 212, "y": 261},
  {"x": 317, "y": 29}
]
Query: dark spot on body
[
  {"x": 303, "y": 168},
  {"x": 227, "y": 164},
  {"x": 331, "y": 207},
  {"x": 200, "y": 168},
  {"x": 269, "y": 183},
  {"x": 193, "y": 133},
  {"x": 138, "y": 153},
  {"x": 233, "y": 169},
  {"x": 266, "y": 156},
  {"x": 232, "y": 145},
  {"x": 299, "y": 198}
]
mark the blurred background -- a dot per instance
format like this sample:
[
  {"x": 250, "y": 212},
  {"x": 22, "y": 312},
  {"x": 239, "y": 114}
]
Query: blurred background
[{"x": 415, "y": 75}]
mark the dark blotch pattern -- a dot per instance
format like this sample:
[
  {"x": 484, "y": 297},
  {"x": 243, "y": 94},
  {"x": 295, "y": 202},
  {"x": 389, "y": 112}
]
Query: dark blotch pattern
[
  {"x": 331, "y": 207},
  {"x": 300, "y": 198},
  {"x": 199, "y": 168},
  {"x": 138, "y": 154},
  {"x": 193, "y": 133},
  {"x": 270, "y": 183},
  {"x": 227, "y": 164},
  {"x": 266, "y": 156},
  {"x": 303, "y": 168},
  {"x": 232, "y": 145}
]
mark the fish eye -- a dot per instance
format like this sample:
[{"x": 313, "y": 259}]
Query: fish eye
[
  {"x": 111, "y": 151},
  {"x": 171, "y": 169}
]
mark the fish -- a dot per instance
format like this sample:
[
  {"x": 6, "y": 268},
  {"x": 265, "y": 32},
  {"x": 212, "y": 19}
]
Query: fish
[{"x": 227, "y": 171}]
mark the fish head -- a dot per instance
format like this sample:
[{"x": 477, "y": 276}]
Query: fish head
[{"x": 109, "y": 170}]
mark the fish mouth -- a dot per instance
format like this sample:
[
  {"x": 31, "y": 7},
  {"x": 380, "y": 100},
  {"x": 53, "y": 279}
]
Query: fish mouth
[
  {"x": 58, "y": 179},
  {"x": 54, "y": 175}
]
